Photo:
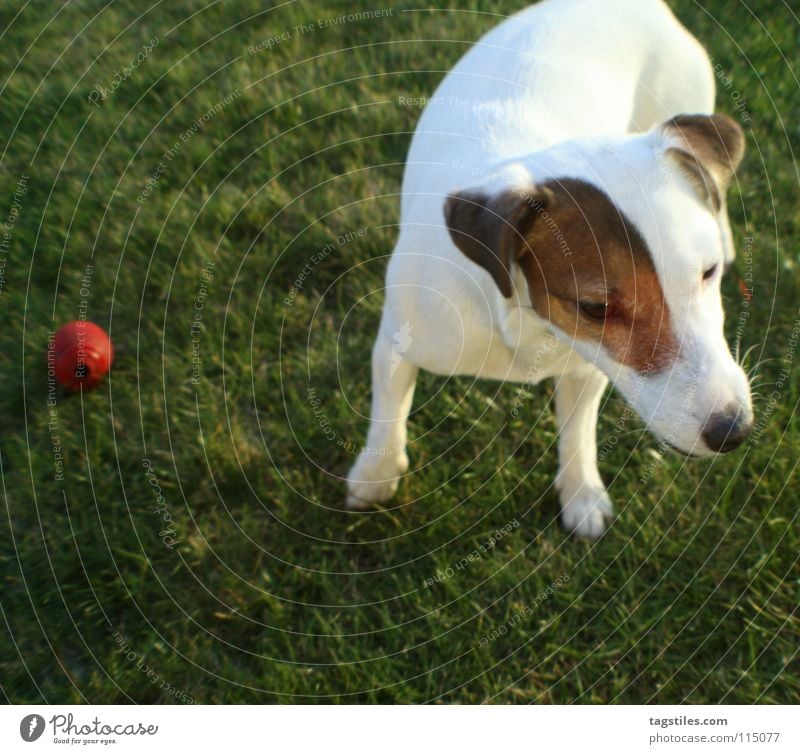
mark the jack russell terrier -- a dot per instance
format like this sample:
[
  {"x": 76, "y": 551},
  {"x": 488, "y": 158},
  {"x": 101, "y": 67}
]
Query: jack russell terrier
[{"x": 563, "y": 215}]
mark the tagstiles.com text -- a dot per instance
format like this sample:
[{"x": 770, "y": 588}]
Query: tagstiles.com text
[{"x": 697, "y": 736}]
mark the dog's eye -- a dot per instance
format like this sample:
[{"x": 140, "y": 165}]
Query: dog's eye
[
  {"x": 709, "y": 273},
  {"x": 595, "y": 310}
]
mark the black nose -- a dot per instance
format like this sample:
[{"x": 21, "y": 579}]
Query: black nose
[{"x": 726, "y": 431}]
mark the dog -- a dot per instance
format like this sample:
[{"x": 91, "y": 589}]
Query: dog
[{"x": 563, "y": 216}]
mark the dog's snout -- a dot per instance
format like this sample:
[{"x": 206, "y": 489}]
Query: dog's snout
[{"x": 727, "y": 430}]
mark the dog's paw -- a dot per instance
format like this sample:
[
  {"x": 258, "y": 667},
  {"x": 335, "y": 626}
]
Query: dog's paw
[
  {"x": 586, "y": 512},
  {"x": 369, "y": 482},
  {"x": 362, "y": 496}
]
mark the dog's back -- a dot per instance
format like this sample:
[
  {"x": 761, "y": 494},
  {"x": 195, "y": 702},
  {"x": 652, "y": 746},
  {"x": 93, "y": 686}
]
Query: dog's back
[{"x": 557, "y": 70}]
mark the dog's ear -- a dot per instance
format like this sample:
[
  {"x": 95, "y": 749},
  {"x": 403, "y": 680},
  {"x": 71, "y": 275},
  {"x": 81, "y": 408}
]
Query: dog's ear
[
  {"x": 709, "y": 149},
  {"x": 491, "y": 231}
]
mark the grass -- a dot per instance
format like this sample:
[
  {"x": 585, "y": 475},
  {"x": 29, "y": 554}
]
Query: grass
[{"x": 273, "y": 593}]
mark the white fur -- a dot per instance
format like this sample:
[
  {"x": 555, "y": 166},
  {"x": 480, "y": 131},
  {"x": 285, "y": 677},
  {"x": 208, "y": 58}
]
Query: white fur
[{"x": 566, "y": 88}]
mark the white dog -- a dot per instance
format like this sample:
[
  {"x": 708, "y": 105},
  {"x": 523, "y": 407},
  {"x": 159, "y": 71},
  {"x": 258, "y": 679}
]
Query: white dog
[{"x": 563, "y": 215}]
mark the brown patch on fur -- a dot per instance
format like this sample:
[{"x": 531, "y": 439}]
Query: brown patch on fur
[
  {"x": 491, "y": 231},
  {"x": 710, "y": 148},
  {"x": 581, "y": 248}
]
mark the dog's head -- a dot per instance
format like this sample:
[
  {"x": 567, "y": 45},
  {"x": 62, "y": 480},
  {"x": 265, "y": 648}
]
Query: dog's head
[{"x": 624, "y": 258}]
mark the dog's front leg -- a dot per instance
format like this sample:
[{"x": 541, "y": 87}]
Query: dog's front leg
[
  {"x": 585, "y": 506},
  {"x": 375, "y": 475}
]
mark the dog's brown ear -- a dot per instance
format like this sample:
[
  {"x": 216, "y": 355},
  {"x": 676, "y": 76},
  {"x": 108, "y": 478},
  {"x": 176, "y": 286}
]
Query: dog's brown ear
[
  {"x": 491, "y": 231},
  {"x": 709, "y": 149}
]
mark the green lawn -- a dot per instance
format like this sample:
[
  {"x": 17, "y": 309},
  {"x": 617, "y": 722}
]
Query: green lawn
[{"x": 246, "y": 581}]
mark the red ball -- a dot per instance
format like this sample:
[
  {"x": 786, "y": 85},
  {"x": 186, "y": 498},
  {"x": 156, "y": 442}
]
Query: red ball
[{"x": 83, "y": 354}]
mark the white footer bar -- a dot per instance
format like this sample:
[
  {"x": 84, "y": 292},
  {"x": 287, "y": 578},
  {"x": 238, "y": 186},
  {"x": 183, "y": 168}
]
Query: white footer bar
[{"x": 390, "y": 730}]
